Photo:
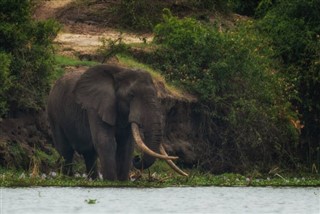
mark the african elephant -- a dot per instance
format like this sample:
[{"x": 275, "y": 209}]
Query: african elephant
[{"x": 100, "y": 113}]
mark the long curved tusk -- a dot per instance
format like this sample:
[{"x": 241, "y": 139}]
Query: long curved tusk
[
  {"x": 144, "y": 148},
  {"x": 171, "y": 164}
]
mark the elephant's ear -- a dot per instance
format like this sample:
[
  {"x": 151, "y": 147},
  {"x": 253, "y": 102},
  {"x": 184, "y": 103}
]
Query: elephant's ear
[{"x": 96, "y": 90}]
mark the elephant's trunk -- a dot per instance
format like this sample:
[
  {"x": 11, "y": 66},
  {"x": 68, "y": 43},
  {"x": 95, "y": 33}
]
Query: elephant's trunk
[{"x": 152, "y": 137}]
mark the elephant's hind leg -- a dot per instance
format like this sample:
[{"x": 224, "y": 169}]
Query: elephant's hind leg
[
  {"x": 64, "y": 148},
  {"x": 90, "y": 158}
]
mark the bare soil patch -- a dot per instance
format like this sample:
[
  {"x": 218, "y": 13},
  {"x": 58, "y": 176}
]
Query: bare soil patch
[{"x": 82, "y": 31}]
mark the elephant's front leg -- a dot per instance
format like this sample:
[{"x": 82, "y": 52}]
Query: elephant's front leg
[
  {"x": 104, "y": 142},
  {"x": 124, "y": 153},
  {"x": 90, "y": 158}
]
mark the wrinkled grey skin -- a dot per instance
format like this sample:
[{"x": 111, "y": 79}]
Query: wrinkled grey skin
[{"x": 90, "y": 112}]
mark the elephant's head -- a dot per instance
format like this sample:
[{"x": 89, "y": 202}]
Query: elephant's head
[{"x": 124, "y": 97}]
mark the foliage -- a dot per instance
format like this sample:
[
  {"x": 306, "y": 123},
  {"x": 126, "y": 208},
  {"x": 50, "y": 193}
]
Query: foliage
[
  {"x": 28, "y": 43},
  {"x": 294, "y": 30},
  {"x": 23, "y": 179},
  {"x": 14, "y": 156},
  {"x": 143, "y": 15},
  {"x": 213, "y": 5},
  {"x": 111, "y": 47},
  {"x": 244, "y": 7},
  {"x": 245, "y": 115},
  {"x": 139, "y": 15},
  {"x": 5, "y": 81},
  {"x": 22, "y": 156}
]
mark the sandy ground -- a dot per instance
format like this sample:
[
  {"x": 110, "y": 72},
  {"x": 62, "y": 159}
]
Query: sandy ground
[{"x": 81, "y": 37}]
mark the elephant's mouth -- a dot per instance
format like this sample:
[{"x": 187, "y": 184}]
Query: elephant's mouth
[{"x": 145, "y": 149}]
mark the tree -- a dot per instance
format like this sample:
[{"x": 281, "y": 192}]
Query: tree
[{"x": 26, "y": 48}]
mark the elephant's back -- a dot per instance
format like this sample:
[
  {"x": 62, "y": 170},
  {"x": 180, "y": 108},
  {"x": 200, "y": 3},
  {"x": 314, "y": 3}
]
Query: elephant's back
[
  {"x": 61, "y": 105},
  {"x": 66, "y": 82}
]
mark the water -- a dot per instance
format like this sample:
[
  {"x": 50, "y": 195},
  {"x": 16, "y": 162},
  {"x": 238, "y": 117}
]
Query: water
[{"x": 165, "y": 200}]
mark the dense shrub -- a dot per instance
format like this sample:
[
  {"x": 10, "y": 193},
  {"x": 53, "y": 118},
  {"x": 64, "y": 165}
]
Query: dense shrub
[
  {"x": 294, "y": 29},
  {"x": 143, "y": 15},
  {"x": 244, "y": 7},
  {"x": 246, "y": 117},
  {"x": 27, "y": 45},
  {"x": 139, "y": 15},
  {"x": 212, "y": 5},
  {"x": 5, "y": 81}
]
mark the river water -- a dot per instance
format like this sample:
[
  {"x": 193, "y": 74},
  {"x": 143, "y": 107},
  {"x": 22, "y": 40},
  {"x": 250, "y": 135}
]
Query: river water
[{"x": 163, "y": 200}]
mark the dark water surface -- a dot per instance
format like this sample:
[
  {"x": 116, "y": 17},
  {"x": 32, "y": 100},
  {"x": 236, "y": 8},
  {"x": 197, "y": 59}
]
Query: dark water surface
[{"x": 164, "y": 200}]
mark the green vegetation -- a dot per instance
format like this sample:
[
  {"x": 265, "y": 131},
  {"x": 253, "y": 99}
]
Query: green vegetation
[
  {"x": 91, "y": 201},
  {"x": 21, "y": 179},
  {"x": 26, "y": 58},
  {"x": 294, "y": 32},
  {"x": 110, "y": 48},
  {"x": 62, "y": 62},
  {"x": 143, "y": 15},
  {"x": 246, "y": 116},
  {"x": 5, "y": 81},
  {"x": 246, "y": 7},
  {"x": 18, "y": 156},
  {"x": 257, "y": 82},
  {"x": 138, "y": 15}
]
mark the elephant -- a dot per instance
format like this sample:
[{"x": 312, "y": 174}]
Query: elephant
[{"x": 100, "y": 113}]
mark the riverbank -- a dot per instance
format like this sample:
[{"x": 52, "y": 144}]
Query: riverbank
[{"x": 155, "y": 180}]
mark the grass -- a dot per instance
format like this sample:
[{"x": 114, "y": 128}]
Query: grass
[
  {"x": 68, "y": 61},
  {"x": 62, "y": 62},
  {"x": 14, "y": 179},
  {"x": 161, "y": 176},
  {"x": 130, "y": 62}
]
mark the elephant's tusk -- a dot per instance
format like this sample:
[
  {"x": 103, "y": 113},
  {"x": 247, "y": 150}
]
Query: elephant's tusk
[
  {"x": 144, "y": 148},
  {"x": 171, "y": 164}
]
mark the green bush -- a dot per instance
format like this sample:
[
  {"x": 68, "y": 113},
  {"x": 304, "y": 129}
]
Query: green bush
[
  {"x": 213, "y": 5},
  {"x": 139, "y": 15},
  {"x": 110, "y": 48},
  {"x": 294, "y": 29},
  {"x": 244, "y": 7},
  {"x": 28, "y": 43},
  {"x": 245, "y": 115},
  {"x": 5, "y": 81}
]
